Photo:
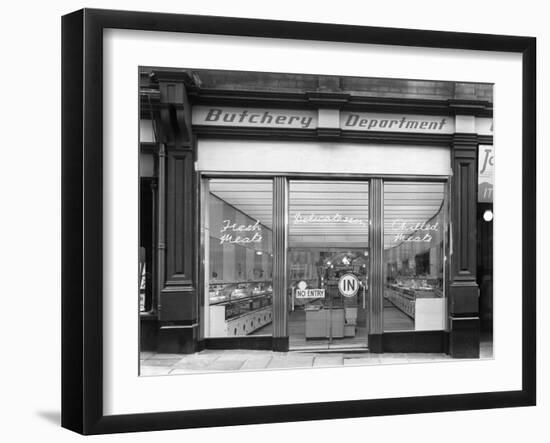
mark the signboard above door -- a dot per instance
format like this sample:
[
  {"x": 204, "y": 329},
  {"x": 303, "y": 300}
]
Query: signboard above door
[
  {"x": 328, "y": 119},
  {"x": 254, "y": 117}
]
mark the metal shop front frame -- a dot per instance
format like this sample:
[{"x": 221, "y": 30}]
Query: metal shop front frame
[{"x": 433, "y": 341}]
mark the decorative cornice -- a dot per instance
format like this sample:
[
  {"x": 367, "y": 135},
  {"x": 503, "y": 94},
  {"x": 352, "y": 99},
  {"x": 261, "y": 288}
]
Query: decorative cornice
[
  {"x": 471, "y": 107},
  {"x": 464, "y": 140},
  {"x": 402, "y": 138},
  {"x": 335, "y": 100},
  {"x": 328, "y": 133},
  {"x": 328, "y": 99}
]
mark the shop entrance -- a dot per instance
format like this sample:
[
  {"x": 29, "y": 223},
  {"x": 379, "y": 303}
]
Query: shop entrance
[{"x": 328, "y": 263}]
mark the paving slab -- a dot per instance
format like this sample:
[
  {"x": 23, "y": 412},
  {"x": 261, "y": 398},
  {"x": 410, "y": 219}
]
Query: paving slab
[
  {"x": 245, "y": 355},
  {"x": 161, "y": 362},
  {"x": 196, "y": 361},
  {"x": 215, "y": 351},
  {"x": 402, "y": 355},
  {"x": 426, "y": 358},
  {"x": 201, "y": 357},
  {"x": 257, "y": 363},
  {"x": 290, "y": 361},
  {"x": 391, "y": 360},
  {"x": 158, "y": 356},
  {"x": 193, "y": 364},
  {"x": 225, "y": 365},
  {"x": 328, "y": 360},
  {"x": 183, "y": 371},
  {"x": 418, "y": 357},
  {"x": 153, "y": 370},
  {"x": 362, "y": 361},
  {"x": 242, "y": 359}
]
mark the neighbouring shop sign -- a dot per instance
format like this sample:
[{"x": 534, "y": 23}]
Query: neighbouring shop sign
[
  {"x": 240, "y": 234},
  {"x": 484, "y": 126},
  {"x": 486, "y": 171}
]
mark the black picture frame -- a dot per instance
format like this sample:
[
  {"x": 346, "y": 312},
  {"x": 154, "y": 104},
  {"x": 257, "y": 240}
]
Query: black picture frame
[{"x": 82, "y": 260}]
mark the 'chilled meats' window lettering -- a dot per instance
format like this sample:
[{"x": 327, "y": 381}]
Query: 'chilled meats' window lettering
[
  {"x": 414, "y": 232},
  {"x": 240, "y": 234}
]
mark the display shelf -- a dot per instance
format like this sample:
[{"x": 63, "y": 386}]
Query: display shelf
[
  {"x": 404, "y": 301},
  {"x": 404, "y": 297},
  {"x": 248, "y": 323},
  {"x": 243, "y": 323},
  {"x": 239, "y": 308},
  {"x": 239, "y": 298},
  {"x": 221, "y": 292}
]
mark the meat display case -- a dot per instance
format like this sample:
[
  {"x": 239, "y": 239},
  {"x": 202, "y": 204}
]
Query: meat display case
[
  {"x": 239, "y": 308},
  {"x": 403, "y": 293}
]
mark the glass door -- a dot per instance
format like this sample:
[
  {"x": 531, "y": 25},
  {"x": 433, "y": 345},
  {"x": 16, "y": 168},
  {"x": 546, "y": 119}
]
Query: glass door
[{"x": 328, "y": 262}]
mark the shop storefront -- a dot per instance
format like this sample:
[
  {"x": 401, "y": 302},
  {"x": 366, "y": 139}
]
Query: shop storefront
[{"x": 298, "y": 212}]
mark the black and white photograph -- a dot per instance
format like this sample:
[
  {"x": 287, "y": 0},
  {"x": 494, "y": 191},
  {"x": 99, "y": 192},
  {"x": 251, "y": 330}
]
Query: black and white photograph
[{"x": 293, "y": 220}]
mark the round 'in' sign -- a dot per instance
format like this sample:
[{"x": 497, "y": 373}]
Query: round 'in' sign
[{"x": 348, "y": 285}]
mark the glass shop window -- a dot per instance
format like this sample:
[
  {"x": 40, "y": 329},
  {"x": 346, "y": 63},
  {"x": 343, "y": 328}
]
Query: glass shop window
[
  {"x": 238, "y": 264},
  {"x": 415, "y": 232}
]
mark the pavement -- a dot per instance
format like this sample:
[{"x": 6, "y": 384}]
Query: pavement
[{"x": 211, "y": 360}]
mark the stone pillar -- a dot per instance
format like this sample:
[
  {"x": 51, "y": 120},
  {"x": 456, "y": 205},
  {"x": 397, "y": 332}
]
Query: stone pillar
[
  {"x": 178, "y": 221},
  {"x": 464, "y": 324}
]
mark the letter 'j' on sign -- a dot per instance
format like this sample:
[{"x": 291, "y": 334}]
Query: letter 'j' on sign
[{"x": 348, "y": 285}]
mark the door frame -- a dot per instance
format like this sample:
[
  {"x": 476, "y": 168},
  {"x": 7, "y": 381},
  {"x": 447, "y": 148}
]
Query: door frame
[{"x": 326, "y": 343}]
